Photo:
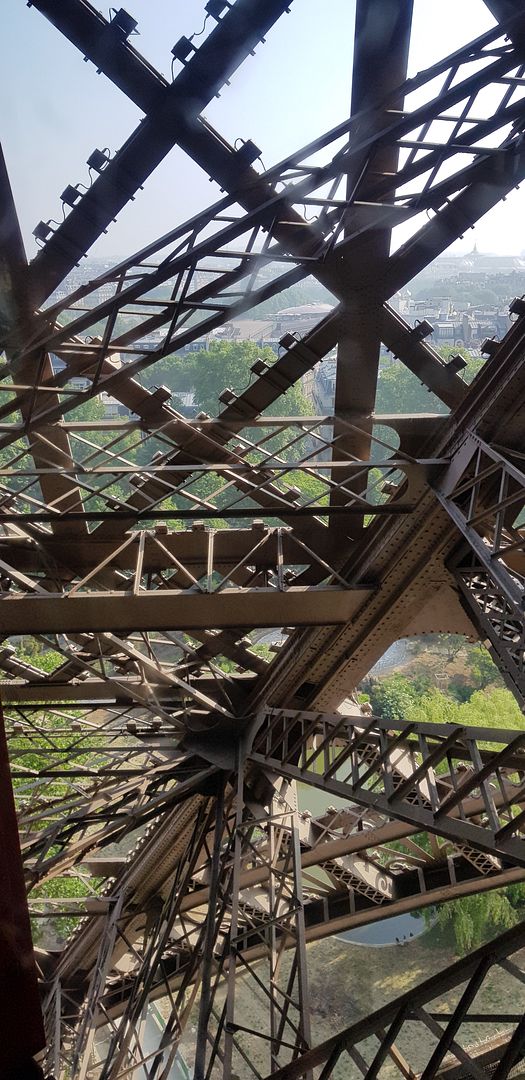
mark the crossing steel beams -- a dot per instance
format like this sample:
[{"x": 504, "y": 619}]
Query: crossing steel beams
[{"x": 155, "y": 742}]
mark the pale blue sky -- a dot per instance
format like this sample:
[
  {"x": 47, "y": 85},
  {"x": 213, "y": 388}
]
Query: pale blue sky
[{"x": 54, "y": 109}]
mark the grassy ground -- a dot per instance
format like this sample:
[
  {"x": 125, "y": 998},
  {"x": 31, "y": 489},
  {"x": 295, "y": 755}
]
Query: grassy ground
[{"x": 348, "y": 982}]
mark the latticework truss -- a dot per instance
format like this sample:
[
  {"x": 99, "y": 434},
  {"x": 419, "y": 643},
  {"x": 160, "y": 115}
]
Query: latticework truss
[{"x": 156, "y": 750}]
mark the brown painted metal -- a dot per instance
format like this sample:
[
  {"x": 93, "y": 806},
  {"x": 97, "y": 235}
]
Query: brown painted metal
[
  {"x": 473, "y": 968},
  {"x": 380, "y": 30},
  {"x": 165, "y": 610},
  {"x": 159, "y": 684},
  {"x": 50, "y": 448},
  {"x": 22, "y": 1028},
  {"x": 393, "y": 781}
]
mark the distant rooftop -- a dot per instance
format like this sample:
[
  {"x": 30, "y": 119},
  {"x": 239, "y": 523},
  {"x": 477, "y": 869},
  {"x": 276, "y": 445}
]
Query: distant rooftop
[{"x": 304, "y": 309}]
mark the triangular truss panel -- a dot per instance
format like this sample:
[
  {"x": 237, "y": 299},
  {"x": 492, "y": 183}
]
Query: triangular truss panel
[{"x": 154, "y": 746}]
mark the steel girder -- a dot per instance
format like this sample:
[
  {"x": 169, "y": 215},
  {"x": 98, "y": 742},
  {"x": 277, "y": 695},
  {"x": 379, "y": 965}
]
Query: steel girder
[
  {"x": 437, "y": 1029},
  {"x": 486, "y": 502},
  {"x": 172, "y": 114},
  {"x": 148, "y": 730},
  {"x": 17, "y": 312},
  {"x": 214, "y": 155},
  {"x": 172, "y": 610},
  {"x": 322, "y": 664},
  {"x": 392, "y": 768},
  {"x": 453, "y": 96},
  {"x": 370, "y": 890}
]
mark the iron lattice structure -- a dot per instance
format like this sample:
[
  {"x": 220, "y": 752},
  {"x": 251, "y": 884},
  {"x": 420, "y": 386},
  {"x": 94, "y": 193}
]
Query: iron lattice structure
[{"x": 168, "y": 749}]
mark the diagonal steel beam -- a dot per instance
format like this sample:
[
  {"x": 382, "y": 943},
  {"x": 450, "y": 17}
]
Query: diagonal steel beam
[
  {"x": 382, "y": 774},
  {"x": 432, "y": 989},
  {"x": 14, "y": 295},
  {"x": 172, "y": 114},
  {"x": 13, "y": 261},
  {"x": 505, "y": 11},
  {"x": 320, "y": 667},
  {"x": 213, "y": 154}
]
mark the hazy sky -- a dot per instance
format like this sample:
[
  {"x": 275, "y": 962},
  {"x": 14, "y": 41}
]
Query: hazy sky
[{"x": 55, "y": 110}]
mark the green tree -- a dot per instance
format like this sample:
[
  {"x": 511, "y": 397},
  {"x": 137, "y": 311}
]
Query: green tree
[
  {"x": 228, "y": 364},
  {"x": 482, "y": 669},
  {"x": 64, "y": 888},
  {"x": 473, "y": 919},
  {"x": 392, "y": 697},
  {"x": 474, "y": 363},
  {"x": 93, "y": 409},
  {"x": 495, "y": 708},
  {"x": 400, "y": 391},
  {"x": 225, "y": 365}
]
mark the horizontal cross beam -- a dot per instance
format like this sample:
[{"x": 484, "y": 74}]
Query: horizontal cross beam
[{"x": 161, "y": 610}]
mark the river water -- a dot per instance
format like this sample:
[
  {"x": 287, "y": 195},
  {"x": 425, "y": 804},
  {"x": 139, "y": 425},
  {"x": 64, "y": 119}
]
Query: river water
[{"x": 396, "y": 931}]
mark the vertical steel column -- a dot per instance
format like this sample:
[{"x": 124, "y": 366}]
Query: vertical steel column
[
  {"x": 382, "y": 35},
  {"x": 266, "y": 925},
  {"x": 157, "y": 935},
  {"x": 210, "y": 937},
  {"x": 274, "y": 957},
  {"x": 21, "y": 1024},
  {"x": 290, "y": 1005},
  {"x": 302, "y": 969},
  {"x": 234, "y": 915},
  {"x": 86, "y": 1034},
  {"x": 13, "y": 262}
]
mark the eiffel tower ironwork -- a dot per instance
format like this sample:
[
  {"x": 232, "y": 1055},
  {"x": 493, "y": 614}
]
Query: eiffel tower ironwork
[{"x": 155, "y": 766}]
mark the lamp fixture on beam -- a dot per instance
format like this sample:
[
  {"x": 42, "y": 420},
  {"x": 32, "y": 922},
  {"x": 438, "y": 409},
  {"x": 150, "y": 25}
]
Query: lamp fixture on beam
[
  {"x": 215, "y": 8},
  {"x": 517, "y": 307},
  {"x": 70, "y": 195},
  {"x": 42, "y": 231},
  {"x": 489, "y": 346},
  {"x": 182, "y": 49},
  {"x": 457, "y": 362},
  {"x": 422, "y": 330},
  {"x": 248, "y": 152},
  {"x": 98, "y": 160},
  {"x": 287, "y": 341},
  {"x": 123, "y": 22}
]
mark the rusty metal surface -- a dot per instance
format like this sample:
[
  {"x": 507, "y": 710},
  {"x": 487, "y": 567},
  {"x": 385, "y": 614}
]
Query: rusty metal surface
[
  {"x": 22, "y": 1028},
  {"x": 252, "y": 567}
]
